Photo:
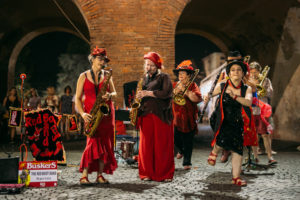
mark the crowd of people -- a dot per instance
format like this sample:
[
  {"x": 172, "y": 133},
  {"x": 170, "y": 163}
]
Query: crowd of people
[
  {"x": 32, "y": 102},
  {"x": 165, "y": 121}
]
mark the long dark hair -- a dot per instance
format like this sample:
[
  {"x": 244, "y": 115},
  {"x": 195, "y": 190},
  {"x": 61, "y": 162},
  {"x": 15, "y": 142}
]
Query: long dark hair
[{"x": 13, "y": 88}]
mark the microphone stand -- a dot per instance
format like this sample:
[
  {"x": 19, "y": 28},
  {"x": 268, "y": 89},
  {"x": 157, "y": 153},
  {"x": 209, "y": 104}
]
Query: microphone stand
[{"x": 23, "y": 137}]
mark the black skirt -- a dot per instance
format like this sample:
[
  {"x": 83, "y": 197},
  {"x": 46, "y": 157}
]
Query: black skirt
[{"x": 230, "y": 136}]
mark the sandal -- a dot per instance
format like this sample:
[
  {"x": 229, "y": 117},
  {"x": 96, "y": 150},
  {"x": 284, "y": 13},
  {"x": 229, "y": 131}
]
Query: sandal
[
  {"x": 225, "y": 156},
  {"x": 239, "y": 182},
  {"x": 179, "y": 156},
  {"x": 84, "y": 181},
  {"x": 272, "y": 162},
  {"x": 101, "y": 180},
  {"x": 187, "y": 167},
  {"x": 168, "y": 180},
  {"x": 146, "y": 179},
  {"x": 211, "y": 161}
]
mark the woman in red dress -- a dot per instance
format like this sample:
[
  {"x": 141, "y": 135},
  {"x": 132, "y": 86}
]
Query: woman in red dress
[
  {"x": 98, "y": 155},
  {"x": 156, "y": 150}
]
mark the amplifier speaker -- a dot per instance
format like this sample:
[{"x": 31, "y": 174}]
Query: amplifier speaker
[{"x": 9, "y": 170}]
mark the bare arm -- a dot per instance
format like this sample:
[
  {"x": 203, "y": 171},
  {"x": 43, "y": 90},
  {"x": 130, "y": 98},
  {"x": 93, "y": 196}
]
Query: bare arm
[
  {"x": 78, "y": 95},
  {"x": 113, "y": 92},
  {"x": 217, "y": 90},
  {"x": 193, "y": 97},
  {"x": 4, "y": 101},
  {"x": 194, "y": 94},
  {"x": 246, "y": 101}
]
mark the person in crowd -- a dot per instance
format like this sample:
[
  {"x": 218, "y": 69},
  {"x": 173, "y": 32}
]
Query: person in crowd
[
  {"x": 11, "y": 100},
  {"x": 52, "y": 100},
  {"x": 66, "y": 108}
]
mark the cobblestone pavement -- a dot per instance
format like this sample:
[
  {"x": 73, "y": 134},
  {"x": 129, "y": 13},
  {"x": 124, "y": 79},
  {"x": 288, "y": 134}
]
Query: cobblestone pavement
[{"x": 201, "y": 182}]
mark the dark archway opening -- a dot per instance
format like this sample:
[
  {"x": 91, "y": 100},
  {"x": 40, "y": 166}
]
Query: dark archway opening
[
  {"x": 39, "y": 59},
  {"x": 195, "y": 48}
]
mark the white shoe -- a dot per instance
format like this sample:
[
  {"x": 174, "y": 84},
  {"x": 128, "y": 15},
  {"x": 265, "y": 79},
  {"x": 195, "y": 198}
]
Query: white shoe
[{"x": 274, "y": 152}]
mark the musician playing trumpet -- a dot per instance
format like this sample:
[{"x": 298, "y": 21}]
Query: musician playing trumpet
[
  {"x": 98, "y": 155},
  {"x": 185, "y": 116},
  {"x": 263, "y": 127}
]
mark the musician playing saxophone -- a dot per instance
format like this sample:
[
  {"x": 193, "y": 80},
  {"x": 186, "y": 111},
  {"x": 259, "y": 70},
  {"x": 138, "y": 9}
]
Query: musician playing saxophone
[
  {"x": 98, "y": 155},
  {"x": 156, "y": 150},
  {"x": 185, "y": 116}
]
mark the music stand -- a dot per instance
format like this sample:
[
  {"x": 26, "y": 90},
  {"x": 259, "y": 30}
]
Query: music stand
[{"x": 251, "y": 165}]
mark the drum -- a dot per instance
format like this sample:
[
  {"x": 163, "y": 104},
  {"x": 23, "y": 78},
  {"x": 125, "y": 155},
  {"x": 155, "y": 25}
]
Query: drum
[{"x": 127, "y": 149}]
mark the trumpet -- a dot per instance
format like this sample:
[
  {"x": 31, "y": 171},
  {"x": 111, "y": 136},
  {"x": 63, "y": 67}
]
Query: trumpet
[
  {"x": 261, "y": 92},
  {"x": 179, "y": 98}
]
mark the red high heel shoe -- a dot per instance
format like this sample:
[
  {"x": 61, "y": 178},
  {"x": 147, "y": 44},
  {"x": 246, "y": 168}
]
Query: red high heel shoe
[
  {"x": 100, "y": 179},
  {"x": 84, "y": 181},
  {"x": 239, "y": 182},
  {"x": 212, "y": 161}
]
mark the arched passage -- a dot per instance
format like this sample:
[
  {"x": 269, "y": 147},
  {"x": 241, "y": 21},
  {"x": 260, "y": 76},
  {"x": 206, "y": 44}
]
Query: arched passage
[
  {"x": 22, "y": 21},
  {"x": 25, "y": 40}
]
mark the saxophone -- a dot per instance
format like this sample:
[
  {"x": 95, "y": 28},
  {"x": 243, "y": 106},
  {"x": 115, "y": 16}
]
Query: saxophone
[
  {"x": 136, "y": 104},
  {"x": 99, "y": 110},
  {"x": 261, "y": 92},
  {"x": 179, "y": 98}
]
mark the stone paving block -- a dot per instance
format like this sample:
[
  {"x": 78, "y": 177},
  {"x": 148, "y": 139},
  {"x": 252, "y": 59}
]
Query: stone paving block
[{"x": 201, "y": 182}]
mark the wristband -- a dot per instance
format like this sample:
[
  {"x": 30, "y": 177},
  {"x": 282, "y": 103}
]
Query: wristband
[{"x": 235, "y": 97}]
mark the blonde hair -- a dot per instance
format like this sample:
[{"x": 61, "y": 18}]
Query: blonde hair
[
  {"x": 158, "y": 70},
  {"x": 255, "y": 65}
]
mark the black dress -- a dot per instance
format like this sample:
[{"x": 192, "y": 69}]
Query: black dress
[{"x": 230, "y": 136}]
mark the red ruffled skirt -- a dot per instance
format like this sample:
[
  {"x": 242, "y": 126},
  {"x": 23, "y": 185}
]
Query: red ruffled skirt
[{"x": 100, "y": 147}]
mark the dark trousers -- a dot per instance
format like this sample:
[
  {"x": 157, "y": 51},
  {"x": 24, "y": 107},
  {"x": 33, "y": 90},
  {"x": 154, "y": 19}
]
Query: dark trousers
[{"x": 184, "y": 143}]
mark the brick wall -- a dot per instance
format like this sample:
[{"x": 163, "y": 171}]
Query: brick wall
[{"x": 130, "y": 28}]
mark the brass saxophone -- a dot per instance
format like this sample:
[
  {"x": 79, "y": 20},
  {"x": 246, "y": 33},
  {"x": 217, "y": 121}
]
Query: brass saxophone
[
  {"x": 136, "y": 104},
  {"x": 261, "y": 92},
  {"x": 100, "y": 109},
  {"x": 179, "y": 98}
]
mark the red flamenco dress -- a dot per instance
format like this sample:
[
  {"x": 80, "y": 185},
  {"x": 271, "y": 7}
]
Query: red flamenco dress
[{"x": 101, "y": 145}]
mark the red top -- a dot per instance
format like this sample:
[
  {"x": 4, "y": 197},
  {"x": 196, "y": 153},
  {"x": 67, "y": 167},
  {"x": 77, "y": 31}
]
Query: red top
[{"x": 185, "y": 116}]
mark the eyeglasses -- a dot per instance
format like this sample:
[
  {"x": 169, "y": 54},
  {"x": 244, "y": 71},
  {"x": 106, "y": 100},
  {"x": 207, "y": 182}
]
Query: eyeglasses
[{"x": 100, "y": 58}]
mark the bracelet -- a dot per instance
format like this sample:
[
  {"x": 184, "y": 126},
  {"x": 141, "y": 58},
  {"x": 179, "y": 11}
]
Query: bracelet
[{"x": 235, "y": 97}]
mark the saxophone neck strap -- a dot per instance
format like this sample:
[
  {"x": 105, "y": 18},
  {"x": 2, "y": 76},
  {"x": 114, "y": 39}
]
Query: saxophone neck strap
[{"x": 95, "y": 82}]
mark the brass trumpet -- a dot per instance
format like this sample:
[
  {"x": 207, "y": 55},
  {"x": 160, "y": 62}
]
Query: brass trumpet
[
  {"x": 179, "y": 98},
  {"x": 261, "y": 92}
]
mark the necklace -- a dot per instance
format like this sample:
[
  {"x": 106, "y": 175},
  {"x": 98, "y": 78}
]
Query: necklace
[{"x": 232, "y": 85}]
